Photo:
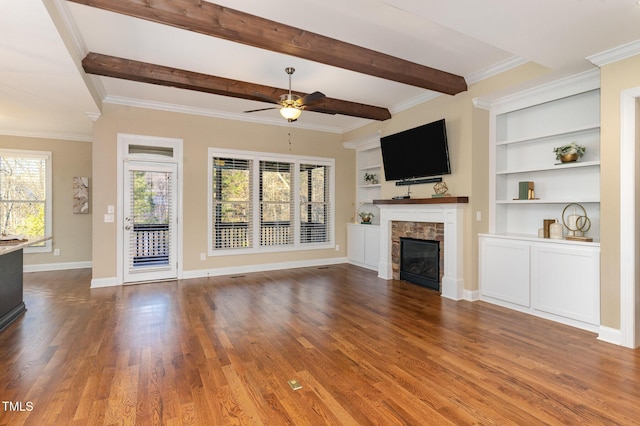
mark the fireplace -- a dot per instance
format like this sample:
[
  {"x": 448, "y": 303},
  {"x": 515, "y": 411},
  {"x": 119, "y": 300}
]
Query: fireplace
[
  {"x": 420, "y": 262},
  {"x": 447, "y": 211}
]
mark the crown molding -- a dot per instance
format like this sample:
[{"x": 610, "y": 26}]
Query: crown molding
[
  {"x": 356, "y": 125},
  {"x": 563, "y": 87},
  {"x": 415, "y": 101},
  {"x": 48, "y": 135},
  {"x": 495, "y": 69},
  {"x": 162, "y": 106},
  {"x": 372, "y": 138},
  {"x": 93, "y": 116},
  {"x": 616, "y": 54},
  {"x": 481, "y": 103}
]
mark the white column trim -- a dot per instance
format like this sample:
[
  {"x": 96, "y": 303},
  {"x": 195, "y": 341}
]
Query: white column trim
[{"x": 628, "y": 302}]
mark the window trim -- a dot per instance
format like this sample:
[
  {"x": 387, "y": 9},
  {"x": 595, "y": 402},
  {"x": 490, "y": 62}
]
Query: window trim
[
  {"x": 48, "y": 202},
  {"x": 256, "y": 157}
]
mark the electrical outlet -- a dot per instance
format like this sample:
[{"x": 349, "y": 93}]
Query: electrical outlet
[
  {"x": 203, "y": 256},
  {"x": 337, "y": 247},
  {"x": 56, "y": 252}
]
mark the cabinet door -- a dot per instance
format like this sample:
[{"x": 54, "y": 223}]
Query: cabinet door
[
  {"x": 504, "y": 270},
  {"x": 356, "y": 248},
  {"x": 565, "y": 281},
  {"x": 372, "y": 246}
]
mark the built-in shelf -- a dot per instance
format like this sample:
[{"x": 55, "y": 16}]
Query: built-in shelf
[
  {"x": 555, "y": 166},
  {"x": 547, "y": 135},
  {"x": 535, "y": 238},
  {"x": 550, "y": 201},
  {"x": 557, "y": 279},
  {"x": 368, "y": 161},
  {"x": 523, "y": 151},
  {"x": 373, "y": 166}
]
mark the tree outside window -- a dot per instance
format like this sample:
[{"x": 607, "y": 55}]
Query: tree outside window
[{"x": 24, "y": 193}]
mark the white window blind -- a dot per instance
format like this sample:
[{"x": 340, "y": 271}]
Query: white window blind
[
  {"x": 25, "y": 194},
  {"x": 262, "y": 202},
  {"x": 276, "y": 203},
  {"x": 232, "y": 194},
  {"x": 315, "y": 206}
]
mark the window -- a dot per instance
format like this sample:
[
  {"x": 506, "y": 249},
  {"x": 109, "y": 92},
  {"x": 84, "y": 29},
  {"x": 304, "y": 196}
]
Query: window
[
  {"x": 25, "y": 195},
  {"x": 231, "y": 185},
  {"x": 276, "y": 203},
  {"x": 314, "y": 203},
  {"x": 260, "y": 202}
]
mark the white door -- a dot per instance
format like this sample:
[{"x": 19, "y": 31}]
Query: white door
[{"x": 150, "y": 221}]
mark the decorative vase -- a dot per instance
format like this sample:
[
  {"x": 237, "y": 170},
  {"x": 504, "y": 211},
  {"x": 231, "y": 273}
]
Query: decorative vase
[
  {"x": 556, "y": 231},
  {"x": 568, "y": 158}
]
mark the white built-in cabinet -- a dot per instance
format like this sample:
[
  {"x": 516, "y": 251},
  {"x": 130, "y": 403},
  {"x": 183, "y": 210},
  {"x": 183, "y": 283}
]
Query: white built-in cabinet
[
  {"x": 364, "y": 245},
  {"x": 363, "y": 240},
  {"x": 555, "y": 279},
  {"x": 505, "y": 272},
  {"x": 552, "y": 279}
]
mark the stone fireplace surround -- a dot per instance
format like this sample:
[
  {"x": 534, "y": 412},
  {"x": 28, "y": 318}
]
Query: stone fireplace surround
[
  {"x": 420, "y": 231},
  {"x": 447, "y": 211}
]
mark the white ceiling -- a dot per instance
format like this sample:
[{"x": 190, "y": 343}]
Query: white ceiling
[{"x": 44, "y": 92}]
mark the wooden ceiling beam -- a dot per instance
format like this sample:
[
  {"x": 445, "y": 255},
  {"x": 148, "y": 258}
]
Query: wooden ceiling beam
[
  {"x": 218, "y": 21},
  {"x": 127, "y": 69}
]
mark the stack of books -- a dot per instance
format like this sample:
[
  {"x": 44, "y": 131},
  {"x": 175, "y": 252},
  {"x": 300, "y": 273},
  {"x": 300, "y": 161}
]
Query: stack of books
[{"x": 526, "y": 191}]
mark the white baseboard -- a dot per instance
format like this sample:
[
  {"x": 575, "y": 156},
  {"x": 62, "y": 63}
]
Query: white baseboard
[
  {"x": 44, "y": 267},
  {"x": 103, "y": 282},
  {"x": 610, "y": 335},
  {"x": 245, "y": 269},
  {"x": 234, "y": 270},
  {"x": 362, "y": 265},
  {"x": 471, "y": 295}
]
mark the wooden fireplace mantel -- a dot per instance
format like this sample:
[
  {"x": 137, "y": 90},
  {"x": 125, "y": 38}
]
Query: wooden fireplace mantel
[{"x": 437, "y": 200}]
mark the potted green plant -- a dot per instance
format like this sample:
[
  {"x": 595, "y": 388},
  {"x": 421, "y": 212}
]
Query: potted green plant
[
  {"x": 370, "y": 178},
  {"x": 569, "y": 152},
  {"x": 365, "y": 217}
]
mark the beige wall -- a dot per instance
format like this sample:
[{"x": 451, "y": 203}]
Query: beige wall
[
  {"x": 198, "y": 134},
  {"x": 615, "y": 78},
  {"x": 71, "y": 232},
  {"x": 468, "y": 137},
  {"x": 83, "y": 238}
]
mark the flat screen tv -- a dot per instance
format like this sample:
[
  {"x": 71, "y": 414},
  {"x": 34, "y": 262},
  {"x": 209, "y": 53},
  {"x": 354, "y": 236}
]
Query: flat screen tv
[{"x": 416, "y": 153}]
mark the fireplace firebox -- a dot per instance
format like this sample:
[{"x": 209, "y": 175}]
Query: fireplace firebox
[{"x": 420, "y": 262}]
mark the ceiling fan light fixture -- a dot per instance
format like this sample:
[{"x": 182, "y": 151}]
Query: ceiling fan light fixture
[{"x": 290, "y": 113}]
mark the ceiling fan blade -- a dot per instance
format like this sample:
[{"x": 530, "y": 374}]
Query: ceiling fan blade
[
  {"x": 311, "y": 98},
  {"x": 266, "y": 98},
  {"x": 261, "y": 109},
  {"x": 319, "y": 109}
]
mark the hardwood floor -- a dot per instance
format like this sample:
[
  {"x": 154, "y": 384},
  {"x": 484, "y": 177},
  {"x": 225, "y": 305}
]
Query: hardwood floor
[{"x": 219, "y": 351}]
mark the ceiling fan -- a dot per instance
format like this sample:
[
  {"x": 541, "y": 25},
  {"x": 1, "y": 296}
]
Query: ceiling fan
[{"x": 290, "y": 105}]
